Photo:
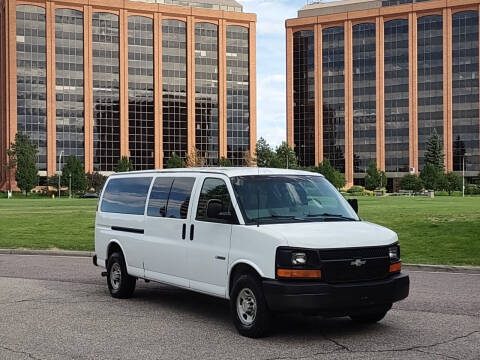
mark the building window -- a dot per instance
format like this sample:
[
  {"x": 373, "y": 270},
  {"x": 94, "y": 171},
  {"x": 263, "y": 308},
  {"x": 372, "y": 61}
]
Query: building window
[
  {"x": 69, "y": 83},
  {"x": 397, "y": 158},
  {"x": 304, "y": 96},
  {"x": 106, "y": 92},
  {"x": 206, "y": 91},
  {"x": 238, "y": 94},
  {"x": 466, "y": 132},
  {"x": 32, "y": 78},
  {"x": 333, "y": 55},
  {"x": 430, "y": 81},
  {"x": 175, "y": 125},
  {"x": 364, "y": 97},
  {"x": 141, "y": 116}
]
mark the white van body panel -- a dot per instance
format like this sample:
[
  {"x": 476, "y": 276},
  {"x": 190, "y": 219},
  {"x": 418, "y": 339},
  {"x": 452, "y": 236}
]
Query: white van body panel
[{"x": 330, "y": 235}]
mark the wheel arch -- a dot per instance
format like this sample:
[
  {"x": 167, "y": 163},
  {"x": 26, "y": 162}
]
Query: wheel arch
[
  {"x": 113, "y": 246},
  {"x": 242, "y": 267}
]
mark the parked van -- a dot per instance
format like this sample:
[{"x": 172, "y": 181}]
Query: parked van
[{"x": 268, "y": 240}]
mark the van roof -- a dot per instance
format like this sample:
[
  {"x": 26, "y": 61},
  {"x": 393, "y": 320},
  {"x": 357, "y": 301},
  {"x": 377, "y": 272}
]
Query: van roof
[{"x": 228, "y": 171}]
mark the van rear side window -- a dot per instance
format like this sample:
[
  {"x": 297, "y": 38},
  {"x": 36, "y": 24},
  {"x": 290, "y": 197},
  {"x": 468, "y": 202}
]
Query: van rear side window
[{"x": 126, "y": 196}]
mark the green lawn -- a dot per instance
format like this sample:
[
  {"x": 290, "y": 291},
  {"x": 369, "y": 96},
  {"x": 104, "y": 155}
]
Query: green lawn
[{"x": 444, "y": 230}]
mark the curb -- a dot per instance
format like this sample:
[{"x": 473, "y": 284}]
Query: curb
[
  {"x": 46, "y": 252},
  {"x": 87, "y": 254},
  {"x": 443, "y": 268}
]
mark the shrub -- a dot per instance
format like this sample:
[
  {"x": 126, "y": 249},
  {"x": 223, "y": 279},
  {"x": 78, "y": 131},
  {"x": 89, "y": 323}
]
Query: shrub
[
  {"x": 175, "y": 162},
  {"x": 472, "y": 189},
  {"x": 356, "y": 191},
  {"x": 411, "y": 182}
]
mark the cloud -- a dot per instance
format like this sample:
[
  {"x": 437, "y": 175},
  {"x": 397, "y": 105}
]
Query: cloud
[{"x": 271, "y": 68}]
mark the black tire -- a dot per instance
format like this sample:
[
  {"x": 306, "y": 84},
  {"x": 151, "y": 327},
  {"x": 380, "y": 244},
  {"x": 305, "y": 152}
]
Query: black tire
[
  {"x": 370, "y": 318},
  {"x": 260, "y": 323},
  {"x": 121, "y": 285}
]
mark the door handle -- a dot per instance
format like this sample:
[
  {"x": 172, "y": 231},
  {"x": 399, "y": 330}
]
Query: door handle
[
  {"x": 192, "y": 229},
  {"x": 184, "y": 231}
]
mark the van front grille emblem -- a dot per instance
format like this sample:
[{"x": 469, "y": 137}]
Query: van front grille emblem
[{"x": 358, "y": 262}]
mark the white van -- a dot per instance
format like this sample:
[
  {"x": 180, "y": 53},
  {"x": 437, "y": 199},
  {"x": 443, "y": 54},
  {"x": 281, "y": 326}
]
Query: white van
[{"x": 268, "y": 240}]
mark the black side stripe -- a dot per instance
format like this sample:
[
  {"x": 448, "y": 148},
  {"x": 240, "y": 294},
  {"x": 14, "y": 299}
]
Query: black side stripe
[{"x": 130, "y": 230}]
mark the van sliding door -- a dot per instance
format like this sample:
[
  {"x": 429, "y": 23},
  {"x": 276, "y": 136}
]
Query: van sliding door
[{"x": 166, "y": 224}]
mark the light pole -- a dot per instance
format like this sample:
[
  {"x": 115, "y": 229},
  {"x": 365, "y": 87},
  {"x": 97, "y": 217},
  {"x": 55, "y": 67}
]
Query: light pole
[
  {"x": 70, "y": 186},
  {"x": 59, "y": 172},
  {"x": 463, "y": 174}
]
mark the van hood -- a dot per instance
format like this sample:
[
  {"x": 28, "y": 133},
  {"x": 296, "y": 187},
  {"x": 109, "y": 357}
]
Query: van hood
[{"x": 331, "y": 235}]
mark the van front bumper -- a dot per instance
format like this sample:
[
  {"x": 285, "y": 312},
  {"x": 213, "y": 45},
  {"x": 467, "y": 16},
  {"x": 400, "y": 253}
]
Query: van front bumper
[{"x": 335, "y": 299}]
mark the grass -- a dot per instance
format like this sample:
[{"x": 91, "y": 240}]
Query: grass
[{"x": 444, "y": 230}]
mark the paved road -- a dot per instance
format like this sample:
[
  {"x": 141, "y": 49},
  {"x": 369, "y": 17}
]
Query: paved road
[{"x": 59, "y": 308}]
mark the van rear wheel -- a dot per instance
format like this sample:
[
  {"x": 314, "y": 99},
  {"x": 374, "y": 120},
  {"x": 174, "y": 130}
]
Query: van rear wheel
[
  {"x": 120, "y": 284},
  {"x": 248, "y": 307}
]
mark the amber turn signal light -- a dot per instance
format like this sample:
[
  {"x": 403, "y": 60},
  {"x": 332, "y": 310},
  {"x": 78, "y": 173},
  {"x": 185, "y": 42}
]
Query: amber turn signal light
[
  {"x": 299, "y": 274},
  {"x": 396, "y": 267}
]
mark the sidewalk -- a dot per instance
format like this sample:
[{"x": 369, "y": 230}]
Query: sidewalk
[{"x": 408, "y": 267}]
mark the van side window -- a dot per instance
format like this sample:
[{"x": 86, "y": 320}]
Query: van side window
[
  {"x": 177, "y": 206},
  {"x": 126, "y": 196},
  {"x": 214, "y": 204},
  {"x": 157, "y": 205}
]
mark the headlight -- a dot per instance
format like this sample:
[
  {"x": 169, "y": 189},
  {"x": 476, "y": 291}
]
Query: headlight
[
  {"x": 299, "y": 258},
  {"x": 394, "y": 253}
]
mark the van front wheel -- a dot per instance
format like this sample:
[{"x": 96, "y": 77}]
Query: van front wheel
[
  {"x": 120, "y": 284},
  {"x": 248, "y": 307}
]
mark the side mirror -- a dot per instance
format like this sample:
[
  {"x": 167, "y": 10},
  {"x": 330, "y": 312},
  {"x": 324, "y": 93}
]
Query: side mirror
[{"x": 354, "y": 204}]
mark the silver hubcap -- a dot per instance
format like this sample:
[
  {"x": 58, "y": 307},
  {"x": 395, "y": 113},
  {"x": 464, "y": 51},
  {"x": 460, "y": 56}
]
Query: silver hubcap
[
  {"x": 246, "y": 306},
  {"x": 115, "y": 276}
]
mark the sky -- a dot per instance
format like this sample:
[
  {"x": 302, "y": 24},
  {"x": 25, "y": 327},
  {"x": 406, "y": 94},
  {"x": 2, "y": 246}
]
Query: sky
[{"x": 271, "y": 68}]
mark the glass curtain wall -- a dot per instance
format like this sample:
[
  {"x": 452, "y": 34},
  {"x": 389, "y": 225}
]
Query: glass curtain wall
[
  {"x": 174, "y": 50},
  {"x": 304, "y": 96},
  {"x": 466, "y": 132},
  {"x": 69, "y": 84},
  {"x": 32, "y": 78},
  {"x": 364, "y": 96},
  {"x": 238, "y": 94},
  {"x": 333, "y": 54},
  {"x": 430, "y": 81},
  {"x": 106, "y": 92},
  {"x": 396, "y": 96},
  {"x": 206, "y": 92},
  {"x": 141, "y": 116}
]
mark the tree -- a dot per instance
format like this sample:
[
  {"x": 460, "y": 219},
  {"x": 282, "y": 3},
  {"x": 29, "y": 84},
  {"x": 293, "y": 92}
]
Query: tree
[
  {"x": 375, "y": 178},
  {"x": 264, "y": 153},
  {"x": 23, "y": 156},
  {"x": 74, "y": 168},
  {"x": 124, "y": 165},
  {"x": 224, "y": 162},
  {"x": 411, "y": 182},
  {"x": 331, "y": 174},
  {"x": 284, "y": 158},
  {"x": 434, "y": 154},
  {"x": 95, "y": 181},
  {"x": 450, "y": 182},
  {"x": 175, "y": 162},
  {"x": 430, "y": 176},
  {"x": 194, "y": 159}
]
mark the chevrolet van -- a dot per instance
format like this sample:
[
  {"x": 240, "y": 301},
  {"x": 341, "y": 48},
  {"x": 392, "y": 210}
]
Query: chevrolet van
[{"x": 267, "y": 240}]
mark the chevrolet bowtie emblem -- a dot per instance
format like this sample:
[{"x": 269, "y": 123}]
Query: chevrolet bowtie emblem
[{"x": 358, "y": 262}]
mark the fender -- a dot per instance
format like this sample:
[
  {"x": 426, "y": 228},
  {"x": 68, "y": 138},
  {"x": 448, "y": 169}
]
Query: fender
[{"x": 241, "y": 261}]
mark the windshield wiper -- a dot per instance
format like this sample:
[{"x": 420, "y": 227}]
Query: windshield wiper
[
  {"x": 285, "y": 217},
  {"x": 331, "y": 216}
]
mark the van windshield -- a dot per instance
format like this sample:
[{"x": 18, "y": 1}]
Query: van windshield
[{"x": 270, "y": 199}]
